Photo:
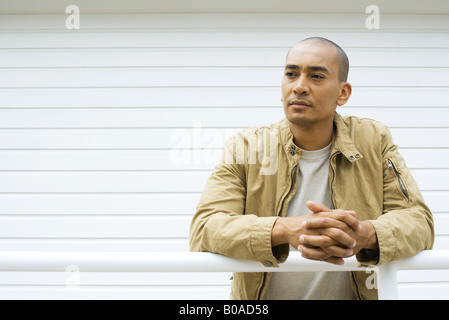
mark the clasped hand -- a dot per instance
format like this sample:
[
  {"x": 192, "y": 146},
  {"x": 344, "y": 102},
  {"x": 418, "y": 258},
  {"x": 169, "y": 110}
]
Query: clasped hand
[{"x": 325, "y": 234}]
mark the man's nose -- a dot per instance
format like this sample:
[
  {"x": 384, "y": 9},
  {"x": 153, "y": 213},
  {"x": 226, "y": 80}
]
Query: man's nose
[{"x": 301, "y": 86}]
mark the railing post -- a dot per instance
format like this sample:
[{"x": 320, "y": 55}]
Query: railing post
[{"x": 387, "y": 282}]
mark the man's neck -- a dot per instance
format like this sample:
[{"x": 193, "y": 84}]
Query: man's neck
[{"x": 312, "y": 137}]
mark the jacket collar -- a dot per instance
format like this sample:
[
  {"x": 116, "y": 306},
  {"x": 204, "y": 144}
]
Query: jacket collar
[{"x": 342, "y": 142}]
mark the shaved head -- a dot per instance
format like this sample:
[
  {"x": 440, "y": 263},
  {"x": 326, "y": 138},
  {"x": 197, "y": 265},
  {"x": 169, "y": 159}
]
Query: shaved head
[{"x": 341, "y": 57}]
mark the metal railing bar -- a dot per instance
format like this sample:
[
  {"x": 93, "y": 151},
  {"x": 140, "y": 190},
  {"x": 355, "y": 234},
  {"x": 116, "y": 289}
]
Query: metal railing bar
[{"x": 58, "y": 261}]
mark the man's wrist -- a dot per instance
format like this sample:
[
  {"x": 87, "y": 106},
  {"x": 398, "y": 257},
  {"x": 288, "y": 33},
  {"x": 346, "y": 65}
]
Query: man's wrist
[
  {"x": 278, "y": 233},
  {"x": 369, "y": 233},
  {"x": 286, "y": 230}
]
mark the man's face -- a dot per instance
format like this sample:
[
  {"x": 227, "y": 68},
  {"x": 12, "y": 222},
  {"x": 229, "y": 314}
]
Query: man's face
[{"x": 311, "y": 89}]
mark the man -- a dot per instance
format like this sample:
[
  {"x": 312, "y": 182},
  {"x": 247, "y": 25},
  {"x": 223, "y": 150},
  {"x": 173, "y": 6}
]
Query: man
[{"x": 339, "y": 188}]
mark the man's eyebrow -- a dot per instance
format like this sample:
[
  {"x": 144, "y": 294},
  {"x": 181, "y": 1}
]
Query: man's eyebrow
[
  {"x": 310, "y": 68},
  {"x": 291, "y": 66},
  {"x": 318, "y": 68}
]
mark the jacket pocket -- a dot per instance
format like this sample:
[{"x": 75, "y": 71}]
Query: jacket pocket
[{"x": 400, "y": 181}]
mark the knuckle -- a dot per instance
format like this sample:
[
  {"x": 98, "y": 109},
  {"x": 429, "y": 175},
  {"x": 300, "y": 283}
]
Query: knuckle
[
  {"x": 339, "y": 214},
  {"x": 323, "y": 242},
  {"x": 335, "y": 233}
]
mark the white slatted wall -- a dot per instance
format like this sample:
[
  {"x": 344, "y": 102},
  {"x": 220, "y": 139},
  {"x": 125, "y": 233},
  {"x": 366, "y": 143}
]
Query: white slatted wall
[{"x": 91, "y": 119}]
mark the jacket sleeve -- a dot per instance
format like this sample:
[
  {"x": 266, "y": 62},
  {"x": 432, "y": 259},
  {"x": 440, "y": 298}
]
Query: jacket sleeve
[
  {"x": 220, "y": 224},
  {"x": 406, "y": 224}
]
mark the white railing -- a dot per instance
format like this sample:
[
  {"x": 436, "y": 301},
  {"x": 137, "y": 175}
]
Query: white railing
[{"x": 209, "y": 262}]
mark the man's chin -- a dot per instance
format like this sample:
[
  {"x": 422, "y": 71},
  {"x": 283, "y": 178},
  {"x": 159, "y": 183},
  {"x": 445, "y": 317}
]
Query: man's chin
[{"x": 296, "y": 118}]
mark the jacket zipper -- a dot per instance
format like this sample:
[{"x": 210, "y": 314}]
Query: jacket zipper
[
  {"x": 333, "y": 203},
  {"x": 289, "y": 190},
  {"x": 264, "y": 277},
  {"x": 400, "y": 181},
  {"x": 333, "y": 176}
]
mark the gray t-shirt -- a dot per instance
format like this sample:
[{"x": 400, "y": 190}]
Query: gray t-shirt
[{"x": 313, "y": 184}]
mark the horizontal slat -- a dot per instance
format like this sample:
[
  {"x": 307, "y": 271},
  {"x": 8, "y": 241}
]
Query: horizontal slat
[
  {"x": 441, "y": 221},
  {"x": 99, "y": 204},
  {"x": 426, "y": 158},
  {"x": 217, "y": 38},
  {"x": 210, "y": 57},
  {"x": 89, "y": 244},
  {"x": 132, "y": 204},
  {"x": 100, "y": 139},
  {"x": 206, "y": 77},
  {"x": 208, "y": 97},
  {"x": 117, "y": 227},
  {"x": 416, "y": 276},
  {"x": 105, "y": 182},
  {"x": 172, "y": 139},
  {"x": 99, "y": 227},
  {"x": 115, "y": 292},
  {"x": 224, "y": 20},
  {"x": 150, "y": 182},
  {"x": 420, "y": 138},
  {"x": 196, "y": 118},
  {"x": 424, "y": 291},
  {"x": 104, "y": 138},
  {"x": 140, "y": 279},
  {"x": 441, "y": 242},
  {"x": 118, "y": 160},
  {"x": 436, "y": 200},
  {"x": 131, "y": 160}
]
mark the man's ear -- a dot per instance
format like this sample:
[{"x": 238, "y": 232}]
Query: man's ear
[{"x": 345, "y": 93}]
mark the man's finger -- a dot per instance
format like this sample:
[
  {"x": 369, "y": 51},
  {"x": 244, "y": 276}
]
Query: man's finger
[
  {"x": 337, "y": 251},
  {"x": 317, "y": 241},
  {"x": 320, "y": 254},
  {"x": 328, "y": 237},
  {"x": 334, "y": 218},
  {"x": 317, "y": 207},
  {"x": 347, "y": 216}
]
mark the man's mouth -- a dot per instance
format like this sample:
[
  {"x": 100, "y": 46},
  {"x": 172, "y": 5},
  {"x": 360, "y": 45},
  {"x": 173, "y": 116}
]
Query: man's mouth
[{"x": 300, "y": 103}]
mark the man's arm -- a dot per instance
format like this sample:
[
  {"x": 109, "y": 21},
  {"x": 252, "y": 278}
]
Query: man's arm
[
  {"x": 221, "y": 225},
  {"x": 405, "y": 226}
]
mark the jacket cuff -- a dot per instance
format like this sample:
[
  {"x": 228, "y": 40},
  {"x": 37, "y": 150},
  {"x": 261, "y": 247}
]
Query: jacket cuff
[
  {"x": 386, "y": 241},
  {"x": 261, "y": 243}
]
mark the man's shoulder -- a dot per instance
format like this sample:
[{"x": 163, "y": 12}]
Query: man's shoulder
[
  {"x": 361, "y": 124},
  {"x": 364, "y": 133}
]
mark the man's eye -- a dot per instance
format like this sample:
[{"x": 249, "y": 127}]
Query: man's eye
[
  {"x": 317, "y": 76},
  {"x": 290, "y": 74}
]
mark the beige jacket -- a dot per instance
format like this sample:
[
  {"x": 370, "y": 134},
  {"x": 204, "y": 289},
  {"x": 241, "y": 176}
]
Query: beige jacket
[{"x": 257, "y": 177}]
